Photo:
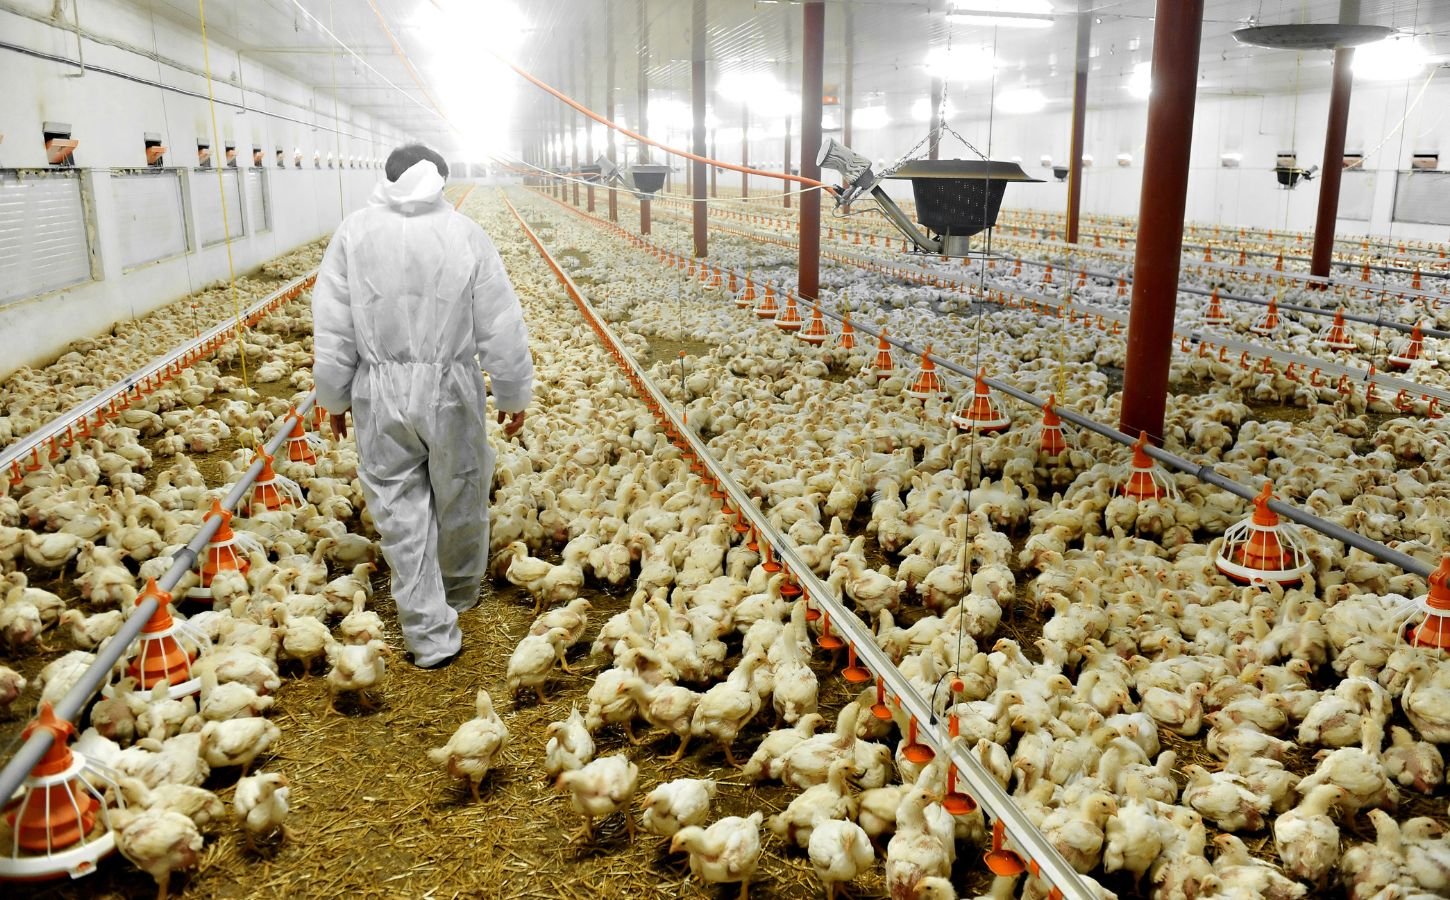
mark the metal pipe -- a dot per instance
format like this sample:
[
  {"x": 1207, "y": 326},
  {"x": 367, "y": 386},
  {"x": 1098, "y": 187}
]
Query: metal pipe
[
  {"x": 813, "y": 40},
  {"x": 697, "y": 108},
  {"x": 1079, "y": 122},
  {"x": 744, "y": 149},
  {"x": 17, "y": 769},
  {"x": 982, "y": 784},
  {"x": 933, "y": 145},
  {"x": 1176, "y": 33},
  {"x": 1332, "y": 171}
]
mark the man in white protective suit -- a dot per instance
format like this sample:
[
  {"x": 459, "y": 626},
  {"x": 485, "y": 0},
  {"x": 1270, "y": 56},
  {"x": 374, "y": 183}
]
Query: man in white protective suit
[{"x": 410, "y": 301}]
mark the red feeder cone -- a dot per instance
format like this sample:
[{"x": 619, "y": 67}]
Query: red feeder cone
[
  {"x": 927, "y": 383},
  {"x": 52, "y": 821},
  {"x": 746, "y": 298},
  {"x": 1408, "y": 351},
  {"x": 1052, "y": 442},
  {"x": 1268, "y": 323},
  {"x": 1435, "y": 630},
  {"x": 815, "y": 331},
  {"x": 272, "y": 491},
  {"x": 790, "y": 317},
  {"x": 846, "y": 340},
  {"x": 1215, "y": 314},
  {"x": 1261, "y": 549},
  {"x": 768, "y": 309},
  {"x": 228, "y": 550},
  {"x": 301, "y": 446},
  {"x": 165, "y": 649},
  {"x": 981, "y": 413},
  {"x": 1335, "y": 337},
  {"x": 882, "y": 364},
  {"x": 1146, "y": 480}
]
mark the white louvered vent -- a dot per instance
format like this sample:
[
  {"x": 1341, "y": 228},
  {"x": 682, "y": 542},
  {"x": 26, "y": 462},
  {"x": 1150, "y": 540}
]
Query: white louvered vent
[
  {"x": 149, "y": 213},
  {"x": 42, "y": 233},
  {"x": 207, "y": 203}
]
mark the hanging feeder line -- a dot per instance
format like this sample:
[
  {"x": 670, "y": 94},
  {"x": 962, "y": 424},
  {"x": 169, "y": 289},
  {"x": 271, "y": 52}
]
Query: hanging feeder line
[
  {"x": 151, "y": 376},
  {"x": 75, "y": 700},
  {"x": 1371, "y": 378},
  {"x": 1204, "y": 473},
  {"x": 928, "y": 727}
]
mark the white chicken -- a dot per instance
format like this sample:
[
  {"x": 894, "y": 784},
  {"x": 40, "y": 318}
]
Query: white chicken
[
  {"x": 725, "y": 853},
  {"x": 601, "y": 788},
  {"x": 260, "y": 804},
  {"x": 840, "y": 852},
  {"x": 470, "y": 752},
  {"x": 677, "y": 804}
]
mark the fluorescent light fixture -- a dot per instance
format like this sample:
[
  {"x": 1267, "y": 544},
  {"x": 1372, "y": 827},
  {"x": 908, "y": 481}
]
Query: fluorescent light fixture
[
  {"x": 961, "y": 63},
  {"x": 1125, "y": 159},
  {"x": 869, "y": 118},
  {"x": 1003, "y": 13},
  {"x": 1021, "y": 101},
  {"x": 1231, "y": 160},
  {"x": 1087, "y": 160},
  {"x": 1046, "y": 161},
  {"x": 1140, "y": 83},
  {"x": 1395, "y": 59}
]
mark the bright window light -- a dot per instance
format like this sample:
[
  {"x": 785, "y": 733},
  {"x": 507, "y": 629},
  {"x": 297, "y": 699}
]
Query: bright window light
[
  {"x": 961, "y": 63},
  {"x": 1003, "y": 13},
  {"x": 921, "y": 109},
  {"x": 1140, "y": 83},
  {"x": 869, "y": 118},
  {"x": 1021, "y": 100},
  {"x": 1395, "y": 59},
  {"x": 749, "y": 86},
  {"x": 831, "y": 121}
]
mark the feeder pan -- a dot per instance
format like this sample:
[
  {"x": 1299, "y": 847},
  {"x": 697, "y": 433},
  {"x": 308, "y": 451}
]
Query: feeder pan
[
  {"x": 914, "y": 750},
  {"x": 1336, "y": 337},
  {"x": 1215, "y": 314},
  {"x": 768, "y": 308},
  {"x": 982, "y": 412},
  {"x": 790, "y": 317},
  {"x": 954, "y": 801},
  {"x": 166, "y": 650},
  {"x": 1328, "y": 36},
  {"x": 1052, "y": 439},
  {"x": 879, "y": 709},
  {"x": 1261, "y": 549},
  {"x": 815, "y": 331},
  {"x": 827, "y": 640},
  {"x": 301, "y": 446},
  {"x": 927, "y": 383},
  {"x": 272, "y": 491},
  {"x": 881, "y": 365},
  {"x": 646, "y": 178},
  {"x": 1002, "y": 862},
  {"x": 53, "y": 818},
  {"x": 846, "y": 340},
  {"x": 746, "y": 298},
  {"x": 1268, "y": 323},
  {"x": 1409, "y": 350},
  {"x": 854, "y": 673},
  {"x": 227, "y": 550},
  {"x": 1146, "y": 480},
  {"x": 1434, "y": 632}
]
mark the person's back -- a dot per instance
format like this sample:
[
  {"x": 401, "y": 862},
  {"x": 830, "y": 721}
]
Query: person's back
[{"x": 411, "y": 298}]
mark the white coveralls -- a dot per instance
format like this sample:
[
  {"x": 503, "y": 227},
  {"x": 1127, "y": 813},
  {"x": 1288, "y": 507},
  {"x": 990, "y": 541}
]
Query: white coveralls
[{"x": 410, "y": 300}]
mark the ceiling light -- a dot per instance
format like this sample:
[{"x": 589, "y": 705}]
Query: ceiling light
[
  {"x": 1003, "y": 13},
  {"x": 1021, "y": 100},
  {"x": 1391, "y": 60},
  {"x": 961, "y": 63},
  {"x": 921, "y": 109},
  {"x": 869, "y": 118},
  {"x": 1140, "y": 83}
]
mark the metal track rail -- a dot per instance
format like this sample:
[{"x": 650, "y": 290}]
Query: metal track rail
[
  {"x": 74, "y": 702},
  {"x": 998, "y": 803},
  {"x": 1204, "y": 473},
  {"x": 61, "y": 431}
]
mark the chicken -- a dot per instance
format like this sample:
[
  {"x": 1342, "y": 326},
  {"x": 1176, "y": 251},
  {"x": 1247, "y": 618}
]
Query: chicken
[
  {"x": 304, "y": 638},
  {"x": 829, "y": 800},
  {"x": 667, "y": 706},
  {"x": 158, "y": 842},
  {"x": 726, "y": 707},
  {"x": 198, "y": 804},
  {"x": 1224, "y": 799},
  {"x": 88, "y": 632},
  {"x": 1427, "y": 706},
  {"x": 1367, "y": 869},
  {"x": 1077, "y": 832},
  {"x": 355, "y": 669},
  {"x": 726, "y": 852},
  {"x": 839, "y": 851},
  {"x": 470, "y": 752},
  {"x": 361, "y": 625},
  {"x": 1359, "y": 772},
  {"x": 547, "y": 584},
  {"x": 1307, "y": 838},
  {"x": 12, "y": 685},
  {"x": 1134, "y": 839},
  {"x": 260, "y": 804},
  {"x": 570, "y": 745},
  {"x": 600, "y": 788},
  {"x": 1411, "y": 763},
  {"x": 765, "y": 762},
  {"x": 1240, "y": 874},
  {"x": 533, "y": 659},
  {"x": 915, "y": 851},
  {"x": 677, "y": 804},
  {"x": 114, "y": 716},
  {"x": 164, "y": 717},
  {"x": 237, "y": 742}
]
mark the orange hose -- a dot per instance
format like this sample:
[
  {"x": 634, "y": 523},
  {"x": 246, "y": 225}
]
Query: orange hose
[{"x": 581, "y": 108}]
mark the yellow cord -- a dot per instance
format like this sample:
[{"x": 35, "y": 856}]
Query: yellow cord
[{"x": 222, "y": 189}]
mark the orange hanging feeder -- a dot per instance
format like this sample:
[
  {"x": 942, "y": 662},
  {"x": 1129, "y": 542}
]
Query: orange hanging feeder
[
  {"x": 166, "y": 650},
  {"x": 790, "y": 317},
  {"x": 1435, "y": 630},
  {"x": 746, "y": 298},
  {"x": 927, "y": 383},
  {"x": 1268, "y": 323},
  {"x": 882, "y": 364},
  {"x": 1336, "y": 337},
  {"x": 228, "y": 551},
  {"x": 302, "y": 447},
  {"x": 815, "y": 331},
  {"x": 1409, "y": 350},
  {"x": 1145, "y": 479},
  {"x": 768, "y": 308},
  {"x": 1215, "y": 314},
  {"x": 53, "y": 819},
  {"x": 273, "y": 491},
  {"x": 846, "y": 340},
  {"x": 1261, "y": 549},
  {"x": 981, "y": 413},
  {"x": 1052, "y": 439}
]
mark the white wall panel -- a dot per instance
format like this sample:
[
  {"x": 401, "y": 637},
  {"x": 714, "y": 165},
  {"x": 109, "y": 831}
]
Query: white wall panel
[
  {"x": 42, "y": 233},
  {"x": 207, "y": 204},
  {"x": 150, "y": 215},
  {"x": 259, "y": 207}
]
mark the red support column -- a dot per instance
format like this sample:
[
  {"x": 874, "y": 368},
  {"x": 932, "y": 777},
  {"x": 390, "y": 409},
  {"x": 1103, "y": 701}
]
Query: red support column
[
  {"x": 1079, "y": 121},
  {"x": 1332, "y": 169},
  {"x": 1176, "y": 35},
  {"x": 812, "y": 63},
  {"x": 697, "y": 104}
]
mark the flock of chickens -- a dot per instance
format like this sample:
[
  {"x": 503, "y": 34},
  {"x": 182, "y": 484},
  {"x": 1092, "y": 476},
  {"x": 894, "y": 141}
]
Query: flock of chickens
[{"x": 936, "y": 539}]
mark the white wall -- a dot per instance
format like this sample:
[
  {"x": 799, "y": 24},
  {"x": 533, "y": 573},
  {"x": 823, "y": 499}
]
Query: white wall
[
  {"x": 109, "y": 116},
  {"x": 1256, "y": 126}
]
